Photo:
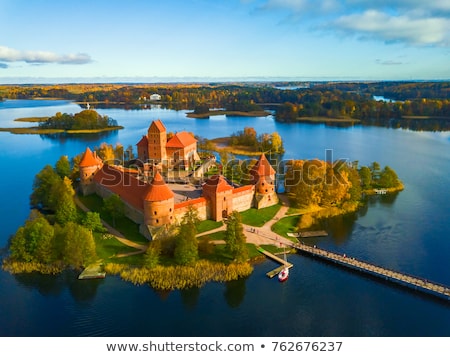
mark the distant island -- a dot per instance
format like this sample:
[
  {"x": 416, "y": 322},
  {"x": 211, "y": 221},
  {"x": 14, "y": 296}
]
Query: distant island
[{"x": 85, "y": 122}]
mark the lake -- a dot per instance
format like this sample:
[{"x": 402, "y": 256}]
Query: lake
[{"x": 408, "y": 232}]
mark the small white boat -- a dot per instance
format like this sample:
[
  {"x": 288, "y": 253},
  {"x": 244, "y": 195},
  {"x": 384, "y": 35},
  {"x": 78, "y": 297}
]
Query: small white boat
[{"x": 283, "y": 275}]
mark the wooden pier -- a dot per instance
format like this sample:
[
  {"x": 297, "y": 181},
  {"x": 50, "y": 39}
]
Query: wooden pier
[
  {"x": 283, "y": 263},
  {"x": 415, "y": 283}
]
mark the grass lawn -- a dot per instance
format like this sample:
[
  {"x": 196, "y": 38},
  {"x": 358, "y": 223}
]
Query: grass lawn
[
  {"x": 208, "y": 225},
  {"x": 124, "y": 225},
  {"x": 108, "y": 247},
  {"x": 258, "y": 217},
  {"x": 286, "y": 225}
]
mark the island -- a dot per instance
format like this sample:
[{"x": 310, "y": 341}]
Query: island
[
  {"x": 174, "y": 218},
  {"x": 85, "y": 122}
]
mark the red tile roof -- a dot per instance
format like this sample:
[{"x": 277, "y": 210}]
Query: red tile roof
[
  {"x": 262, "y": 167},
  {"x": 89, "y": 159},
  {"x": 181, "y": 140},
  {"x": 216, "y": 183},
  {"x": 143, "y": 141},
  {"x": 158, "y": 125},
  {"x": 243, "y": 188},
  {"x": 158, "y": 190},
  {"x": 188, "y": 203},
  {"x": 128, "y": 187}
]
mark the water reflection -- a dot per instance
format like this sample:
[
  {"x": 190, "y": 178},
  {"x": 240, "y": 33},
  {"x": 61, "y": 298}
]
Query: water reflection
[
  {"x": 55, "y": 285},
  {"x": 63, "y": 138},
  {"x": 190, "y": 297},
  {"x": 235, "y": 292}
]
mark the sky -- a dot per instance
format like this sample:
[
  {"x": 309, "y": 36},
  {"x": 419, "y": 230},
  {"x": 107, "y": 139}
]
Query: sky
[{"x": 54, "y": 41}]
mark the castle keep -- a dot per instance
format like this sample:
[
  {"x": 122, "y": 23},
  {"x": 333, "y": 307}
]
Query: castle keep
[{"x": 152, "y": 203}]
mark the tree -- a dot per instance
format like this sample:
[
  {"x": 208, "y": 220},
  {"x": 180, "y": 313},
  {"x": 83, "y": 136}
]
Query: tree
[
  {"x": 63, "y": 202},
  {"x": 186, "y": 243},
  {"x": 276, "y": 143},
  {"x": 93, "y": 222},
  {"x": 78, "y": 245},
  {"x": 388, "y": 178},
  {"x": 43, "y": 184},
  {"x": 235, "y": 239},
  {"x": 33, "y": 241},
  {"x": 366, "y": 177},
  {"x": 114, "y": 206},
  {"x": 62, "y": 167},
  {"x": 152, "y": 254}
]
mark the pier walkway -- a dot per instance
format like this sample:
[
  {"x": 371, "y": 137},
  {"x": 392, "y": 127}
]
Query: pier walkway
[{"x": 413, "y": 282}]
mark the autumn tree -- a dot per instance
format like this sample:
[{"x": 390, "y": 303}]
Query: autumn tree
[
  {"x": 78, "y": 245},
  {"x": 152, "y": 254},
  {"x": 62, "y": 201},
  {"x": 93, "y": 222}
]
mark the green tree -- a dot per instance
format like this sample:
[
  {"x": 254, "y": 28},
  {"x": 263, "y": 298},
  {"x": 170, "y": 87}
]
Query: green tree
[
  {"x": 186, "y": 243},
  {"x": 43, "y": 185},
  {"x": 366, "y": 177},
  {"x": 235, "y": 239},
  {"x": 62, "y": 167},
  {"x": 63, "y": 202},
  {"x": 78, "y": 245},
  {"x": 115, "y": 207},
  {"x": 33, "y": 241},
  {"x": 93, "y": 222},
  {"x": 388, "y": 178}
]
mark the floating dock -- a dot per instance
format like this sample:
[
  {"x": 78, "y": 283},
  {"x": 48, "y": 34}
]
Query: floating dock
[
  {"x": 283, "y": 262},
  {"x": 312, "y": 234},
  {"x": 92, "y": 271}
]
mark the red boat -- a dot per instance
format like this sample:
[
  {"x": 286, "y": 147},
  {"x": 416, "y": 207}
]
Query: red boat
[{"x": 283, "y": 275}]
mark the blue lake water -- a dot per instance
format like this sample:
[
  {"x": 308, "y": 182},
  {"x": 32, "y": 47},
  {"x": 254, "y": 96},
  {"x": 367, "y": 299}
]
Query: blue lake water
[{"x": 408, "y": 232}]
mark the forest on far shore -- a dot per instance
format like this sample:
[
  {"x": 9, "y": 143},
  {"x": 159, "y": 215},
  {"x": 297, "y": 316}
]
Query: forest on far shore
[{"x": 416, "y": 105}]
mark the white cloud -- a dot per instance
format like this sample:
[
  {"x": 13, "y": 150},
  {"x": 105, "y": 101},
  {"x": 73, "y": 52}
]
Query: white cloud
[
  {"x": 41, "y": 57},
  {"x": 404, "y": 28},
  {"x": 413, "y": 22}
]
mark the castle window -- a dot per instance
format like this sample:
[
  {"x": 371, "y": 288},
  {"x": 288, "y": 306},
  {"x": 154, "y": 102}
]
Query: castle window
[
  {"x": 224, "y": 198},
  {"x": 155, "y": 213},
  {"x": 157, "y": 221},
  {"x": 267, "y": 190},
  {"x": 262, "y": 184},
  {"x": 170, "y": 209}
]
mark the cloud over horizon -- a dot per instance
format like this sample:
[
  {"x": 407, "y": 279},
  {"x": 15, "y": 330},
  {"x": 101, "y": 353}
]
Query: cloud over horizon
[
  {"x": 8, "y": 54},
  {"x": 412, "y": 22}
]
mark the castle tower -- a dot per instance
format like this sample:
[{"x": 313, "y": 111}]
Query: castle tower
[
  {"x": 89, "y": 165},
  {"x": 158, "y": 203},
  {"x": 263, "y": 177},
  {"x": 220, "y": 194},
  {"x": 157, "y": 140}
]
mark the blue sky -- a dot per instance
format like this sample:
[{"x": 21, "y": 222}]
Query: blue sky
[{"x": 134, "y": 40}]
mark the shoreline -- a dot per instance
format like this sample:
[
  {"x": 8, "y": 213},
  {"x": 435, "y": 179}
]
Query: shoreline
[
  {"x": 40, "y": 131},
  {"x": 259, "y": 113}
]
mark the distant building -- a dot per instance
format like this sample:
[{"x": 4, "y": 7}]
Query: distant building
[
  {"x": 152, "y": 203},
  {"x": 155, "y": 96}
]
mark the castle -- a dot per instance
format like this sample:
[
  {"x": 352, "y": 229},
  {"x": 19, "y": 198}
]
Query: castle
[{"x": 152, "y": 203}]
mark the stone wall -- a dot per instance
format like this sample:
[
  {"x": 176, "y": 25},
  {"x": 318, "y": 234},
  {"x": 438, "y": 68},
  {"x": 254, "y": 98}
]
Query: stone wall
[{"x": 243, "y": 198}]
